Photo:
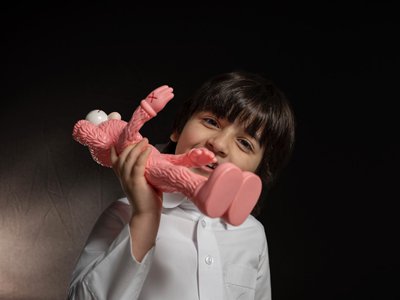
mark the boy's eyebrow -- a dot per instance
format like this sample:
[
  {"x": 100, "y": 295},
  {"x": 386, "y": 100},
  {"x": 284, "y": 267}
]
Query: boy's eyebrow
[{"x": 256, "y": 136}]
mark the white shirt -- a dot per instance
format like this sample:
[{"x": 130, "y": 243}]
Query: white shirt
[{"x": 194, "y": 258}]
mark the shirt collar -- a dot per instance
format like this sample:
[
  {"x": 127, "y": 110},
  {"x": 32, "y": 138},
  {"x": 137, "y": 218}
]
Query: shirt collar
[
  {"x": 181, "y": 202},
  {"x": 173, "y": 200}
]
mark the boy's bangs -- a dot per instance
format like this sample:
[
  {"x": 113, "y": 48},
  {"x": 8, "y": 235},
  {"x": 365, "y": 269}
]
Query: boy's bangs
[{"x": 248, "y": 113}]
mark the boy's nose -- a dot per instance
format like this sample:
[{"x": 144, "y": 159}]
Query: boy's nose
[{"x": 218, "y": 144}]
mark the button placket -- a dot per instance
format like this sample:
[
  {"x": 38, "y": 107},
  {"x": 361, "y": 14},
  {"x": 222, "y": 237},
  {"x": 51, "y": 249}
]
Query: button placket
[
  {"x": 209, "y": 260},
  {"x": 209, "y": 264}
]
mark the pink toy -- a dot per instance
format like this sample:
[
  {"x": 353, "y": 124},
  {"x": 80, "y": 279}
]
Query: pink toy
[{"x": 228, "y": 193}]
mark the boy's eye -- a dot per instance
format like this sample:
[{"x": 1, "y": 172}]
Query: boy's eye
[
  {"x": 211, "y": 122},
  {"x": 246, "y": 145}
]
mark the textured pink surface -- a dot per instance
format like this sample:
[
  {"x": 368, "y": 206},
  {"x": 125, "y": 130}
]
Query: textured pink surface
[{"x": 228, "y": 193}]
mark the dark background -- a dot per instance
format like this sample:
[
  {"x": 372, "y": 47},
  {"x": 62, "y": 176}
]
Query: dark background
[{"x": 331, "y": 221}]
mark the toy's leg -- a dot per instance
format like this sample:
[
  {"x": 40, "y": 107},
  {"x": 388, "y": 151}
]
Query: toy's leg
[
  {"x": 170, "y": 178},
  {"x": 212, "y": 196},
  {"x": 216, "y": 194},
  {"x": 245, "y": 199}
]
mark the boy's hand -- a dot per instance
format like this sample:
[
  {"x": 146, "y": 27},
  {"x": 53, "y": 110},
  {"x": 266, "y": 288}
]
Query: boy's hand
[{"x": 129, "y": 167}]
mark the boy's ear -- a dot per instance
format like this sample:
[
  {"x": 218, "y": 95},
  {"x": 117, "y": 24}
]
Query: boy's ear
[{"x": 174, "y": 137}]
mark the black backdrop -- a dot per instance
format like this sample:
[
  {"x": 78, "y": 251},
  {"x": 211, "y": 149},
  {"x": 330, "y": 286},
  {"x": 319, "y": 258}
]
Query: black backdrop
[{"x": 331, "y": 221}]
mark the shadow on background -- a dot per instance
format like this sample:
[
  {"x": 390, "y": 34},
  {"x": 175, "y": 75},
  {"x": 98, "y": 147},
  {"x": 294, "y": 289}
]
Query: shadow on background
[{"x": 331, "y": 221}]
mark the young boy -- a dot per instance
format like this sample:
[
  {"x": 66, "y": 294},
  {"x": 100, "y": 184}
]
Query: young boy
[{"x": 160, "y": 246}]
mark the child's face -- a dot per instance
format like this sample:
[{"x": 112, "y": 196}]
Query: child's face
[{"x": 229, "y": 142}]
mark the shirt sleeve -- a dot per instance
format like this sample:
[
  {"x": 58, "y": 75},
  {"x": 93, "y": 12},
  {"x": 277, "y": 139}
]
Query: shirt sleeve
[
  {"x": 263, "y": 284},
  {"x": 106, "y": 268}
]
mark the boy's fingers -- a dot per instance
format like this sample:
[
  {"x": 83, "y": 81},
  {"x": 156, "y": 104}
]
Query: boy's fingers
[
  {"x": 124, "y": 154},
  {"x": 136, "y": 150},
  {"x": 114, "y": 156},
  {"x": 128, "y": 158},
  {"x": 114, "y": 160},
  {"x": 142, "y": 160}
]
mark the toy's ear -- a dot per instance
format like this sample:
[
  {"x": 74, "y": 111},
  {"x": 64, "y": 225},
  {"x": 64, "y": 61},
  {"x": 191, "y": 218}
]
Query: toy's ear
[
  {"x": 114, "y": 116},
  {"x": 174, "y": 136},
  {"x": 96, "y": 117}
]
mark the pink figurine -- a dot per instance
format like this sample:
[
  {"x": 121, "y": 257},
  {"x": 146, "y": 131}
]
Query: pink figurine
[{"x": 228, "y": 193}]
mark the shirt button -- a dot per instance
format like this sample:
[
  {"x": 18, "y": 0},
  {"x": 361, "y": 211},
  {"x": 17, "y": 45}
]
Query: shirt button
[
  {"x": 203, "y": 223},
  {"x": 209, "y": 259}
]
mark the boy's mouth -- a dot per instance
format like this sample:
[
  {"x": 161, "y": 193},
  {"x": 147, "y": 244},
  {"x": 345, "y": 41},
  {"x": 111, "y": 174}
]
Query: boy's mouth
[
  {"x": 206, "y": 170},
  {"x": 212, "y": 165}
]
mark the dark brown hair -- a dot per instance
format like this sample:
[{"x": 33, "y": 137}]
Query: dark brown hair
[{"x": 258, "y": 104}]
